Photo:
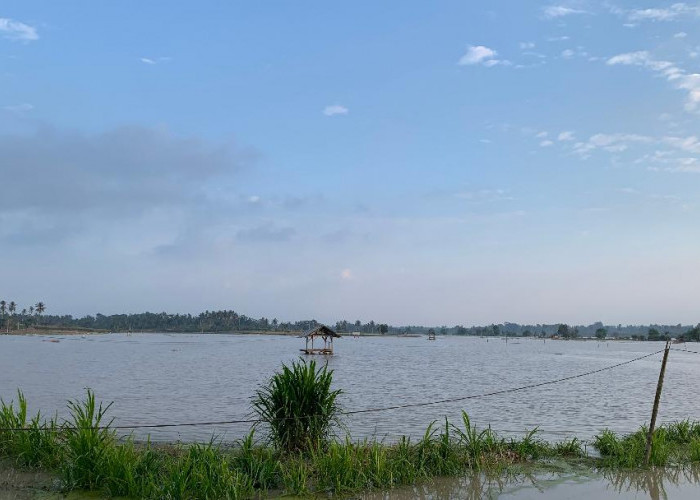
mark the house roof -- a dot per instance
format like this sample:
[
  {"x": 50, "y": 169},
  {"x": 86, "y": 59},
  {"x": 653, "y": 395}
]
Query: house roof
[{"x": 320, "y": 331}]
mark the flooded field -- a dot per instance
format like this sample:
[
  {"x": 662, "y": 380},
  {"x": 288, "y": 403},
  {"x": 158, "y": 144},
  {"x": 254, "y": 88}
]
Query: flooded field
[{"x": 166, "y": 378}]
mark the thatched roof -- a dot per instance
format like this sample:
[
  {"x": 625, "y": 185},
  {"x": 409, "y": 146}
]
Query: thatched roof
[{"x": 320, "y": 331}]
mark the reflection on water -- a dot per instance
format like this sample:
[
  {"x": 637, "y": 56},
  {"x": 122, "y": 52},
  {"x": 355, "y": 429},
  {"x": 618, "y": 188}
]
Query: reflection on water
[
  {"x": 681, "y": 483},
  {"x": 658, "y": 483}
]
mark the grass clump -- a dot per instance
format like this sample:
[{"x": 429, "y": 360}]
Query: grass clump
[
  {"x": 299, "y": 406},
  {"x": 86, "y": 442},
  {"x": 672, "y": 444},
  {"x": 33, "y": 442}
]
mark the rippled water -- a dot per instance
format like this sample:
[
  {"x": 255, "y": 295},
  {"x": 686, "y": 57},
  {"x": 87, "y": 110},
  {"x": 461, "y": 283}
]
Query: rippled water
[{"x": 163, "y": 378}]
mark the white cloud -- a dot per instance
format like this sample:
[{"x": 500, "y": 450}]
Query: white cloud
[
  {"x": 335, "y": 109},
  {"x": 690, "y": 82},
  {"x": 527, "y": 45},
  {"x": 346, "y": 274},
  {"x": 541, "y": 135},
  {"x": 568, "y": 53},
  {"x": 671, "y": 13},
  {"x": 477, "y": 54},
  {"x": 19, "y": 108},
  {"x": 566, "y": 135},
  {"x": 613, "y": 143},
  {"x": 546, "y": 143},
  {"x": 148, "y": 60},
  {"x": 681, "y": 34},
  {"x": 480, "y": 54},
  {"x": 15, "y": 30},
  {"x": 556, "y": 11},
  {"x": 558, "y": 38}
]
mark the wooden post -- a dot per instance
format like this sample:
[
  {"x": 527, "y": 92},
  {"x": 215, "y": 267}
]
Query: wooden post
[{"x": 655, "y": 410}]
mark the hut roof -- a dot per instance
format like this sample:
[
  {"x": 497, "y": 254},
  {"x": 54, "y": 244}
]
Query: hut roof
[{"x": 321, "y": 331}]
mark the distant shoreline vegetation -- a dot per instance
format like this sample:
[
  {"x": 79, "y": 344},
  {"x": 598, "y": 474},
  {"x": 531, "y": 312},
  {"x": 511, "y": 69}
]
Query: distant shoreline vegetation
[{"x": 232, "y": 321}]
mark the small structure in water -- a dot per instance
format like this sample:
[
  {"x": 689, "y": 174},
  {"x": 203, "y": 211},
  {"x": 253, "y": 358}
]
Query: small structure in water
[
  {"x": 326, "y": 334},
  {"x": 431, "y": 334}
]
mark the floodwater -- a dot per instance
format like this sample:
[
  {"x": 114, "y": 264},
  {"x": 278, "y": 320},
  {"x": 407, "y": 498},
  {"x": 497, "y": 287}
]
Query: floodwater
[
  {"x": 654, "y": 484},
  {"x": 180, "y": 378}
]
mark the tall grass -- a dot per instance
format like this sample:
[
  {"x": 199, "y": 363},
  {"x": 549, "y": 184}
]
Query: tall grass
[
  {"x": 32, "y": 442},
  {"x": 85, "y": 454},
  {"x": 87, "y": 440},
  {"x": 299, "y": 406},
  {"x": 674, "y": 443}
]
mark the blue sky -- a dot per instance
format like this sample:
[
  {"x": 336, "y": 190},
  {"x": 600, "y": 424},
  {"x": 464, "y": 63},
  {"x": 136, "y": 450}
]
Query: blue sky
[{"x": 407, "y": 162}]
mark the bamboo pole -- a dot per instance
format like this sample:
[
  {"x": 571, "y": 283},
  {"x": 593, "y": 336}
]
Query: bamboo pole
[{"x": 657, "y": 399}]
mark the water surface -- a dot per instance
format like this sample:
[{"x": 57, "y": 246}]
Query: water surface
[{"x": 163, "y": 378}]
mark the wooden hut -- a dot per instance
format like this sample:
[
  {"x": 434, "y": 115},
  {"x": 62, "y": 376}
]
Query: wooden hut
[{"x": 324, "y": 333}]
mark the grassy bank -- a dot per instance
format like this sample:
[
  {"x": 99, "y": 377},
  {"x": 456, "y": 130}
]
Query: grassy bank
[{"x": 85, "y": 454}]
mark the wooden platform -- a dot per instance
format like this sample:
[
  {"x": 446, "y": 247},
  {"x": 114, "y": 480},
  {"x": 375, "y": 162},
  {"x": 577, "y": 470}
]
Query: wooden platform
[{"x": 322, "y": 351}]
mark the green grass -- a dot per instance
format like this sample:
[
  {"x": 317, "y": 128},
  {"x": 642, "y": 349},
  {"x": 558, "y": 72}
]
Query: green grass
[
  {"x": 86, "y": 455},
  {"x": 298, "y": 406},
  {"x": 673, "y": 444}
]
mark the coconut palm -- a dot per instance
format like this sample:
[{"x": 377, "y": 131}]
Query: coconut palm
[
  {"x": 12, "y": 307},
  {"x": 39, "y": 308}
]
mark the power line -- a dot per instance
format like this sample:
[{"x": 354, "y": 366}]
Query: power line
[{"x": 379, "y": 409}]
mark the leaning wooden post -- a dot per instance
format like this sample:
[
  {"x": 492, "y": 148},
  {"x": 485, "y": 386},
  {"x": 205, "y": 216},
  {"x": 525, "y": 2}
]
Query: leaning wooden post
[{"x": 655, "y": 410}]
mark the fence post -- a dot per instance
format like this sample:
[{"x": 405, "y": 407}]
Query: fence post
[{"x": 655, "y": 410}]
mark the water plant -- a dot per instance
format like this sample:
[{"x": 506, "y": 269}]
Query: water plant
[{"x": 299, "y": 406}]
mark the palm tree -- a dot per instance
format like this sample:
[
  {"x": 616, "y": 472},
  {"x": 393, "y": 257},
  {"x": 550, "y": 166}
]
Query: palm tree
[
  {"x": 12, "y": 307},
  {"x": 3, "y": 308},
  {"x": 39, "y": 308}
]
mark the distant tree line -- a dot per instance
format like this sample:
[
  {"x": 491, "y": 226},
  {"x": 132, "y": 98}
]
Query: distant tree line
[
  {"x": 232, "y": 321},
  {"x": 12, "y": 318}
]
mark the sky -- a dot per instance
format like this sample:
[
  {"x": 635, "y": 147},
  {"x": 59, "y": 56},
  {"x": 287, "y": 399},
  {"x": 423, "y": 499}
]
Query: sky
[{"x": 411, "y": 162}]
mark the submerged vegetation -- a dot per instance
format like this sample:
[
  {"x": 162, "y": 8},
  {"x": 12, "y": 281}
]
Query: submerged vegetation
[{"x": 300, "y": 457}]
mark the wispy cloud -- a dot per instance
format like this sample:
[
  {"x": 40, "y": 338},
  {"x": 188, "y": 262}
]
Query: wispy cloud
[
  {"x": 670, "y": 13},
  {"x": 19, "y": 108},
  {"x": 566, "y": 135},
  {"x": 480, "y": 54},
  {"x": 556, "y": 11},
  {"x": 152, "y": 61},
  {"x": 335, "y": 109},
  {"x": 15, "y": 30},
  {"x": 690, "y": 82}
]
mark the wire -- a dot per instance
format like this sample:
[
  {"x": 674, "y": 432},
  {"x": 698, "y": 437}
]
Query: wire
[
  {"x": 372, "y": 410},
  {"x": 504, "y": 391},
  {"x": 684, "y": 350}
]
